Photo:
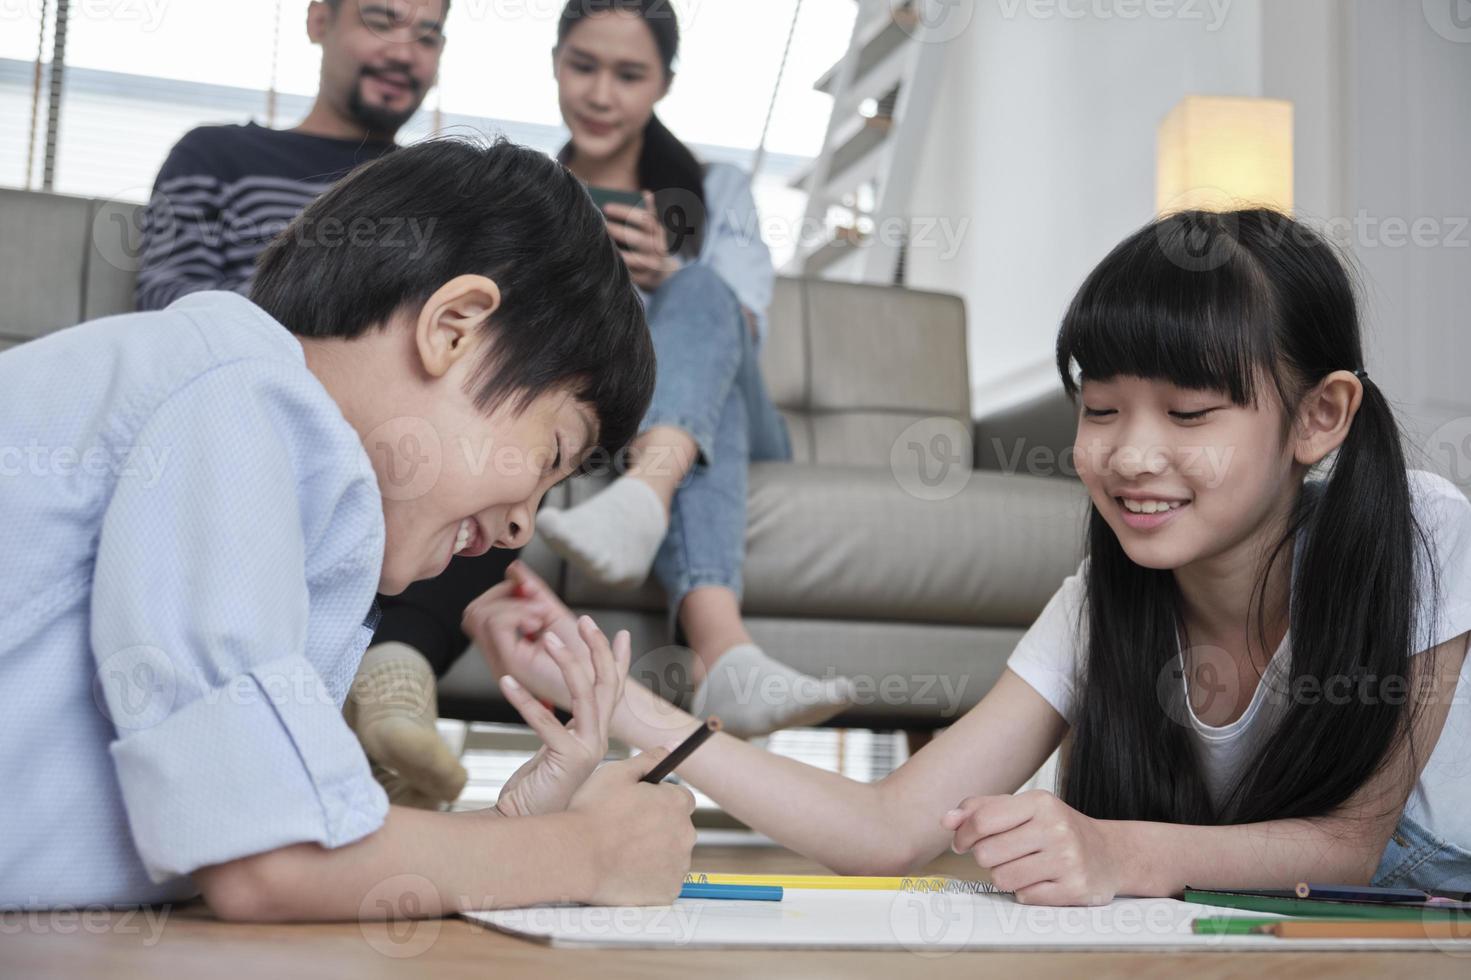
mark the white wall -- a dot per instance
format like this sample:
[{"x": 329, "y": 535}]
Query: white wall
[
  {"x": 1409, "y": 149},
  {"x": 1044, "y": 137},
  {"x": 1384, "y": 165}
]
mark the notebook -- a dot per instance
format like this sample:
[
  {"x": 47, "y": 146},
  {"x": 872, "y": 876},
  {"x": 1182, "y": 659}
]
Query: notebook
[{"x": 917, "y": 922}]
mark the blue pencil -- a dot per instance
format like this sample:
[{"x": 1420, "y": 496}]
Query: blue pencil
[{"x": 750, "y": 893}]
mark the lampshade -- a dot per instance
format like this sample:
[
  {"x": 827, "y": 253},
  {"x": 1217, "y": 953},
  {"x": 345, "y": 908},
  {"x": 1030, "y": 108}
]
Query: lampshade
[{"x": 1219, "y": 152}]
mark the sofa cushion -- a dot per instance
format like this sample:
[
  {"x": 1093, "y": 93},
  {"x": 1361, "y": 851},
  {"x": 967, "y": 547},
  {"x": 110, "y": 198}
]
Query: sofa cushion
[
  {"x": 882, "y": 348},
  {"x": 849, "y": 542},
  {"x": 853, "y": 365},
  {"x": 43, "y": 260},
  {"x": 784, "y": 355},
  {"x": 115, "y": 256}
]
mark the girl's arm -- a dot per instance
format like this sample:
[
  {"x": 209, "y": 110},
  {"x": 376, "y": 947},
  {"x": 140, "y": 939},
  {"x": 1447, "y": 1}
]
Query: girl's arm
[
  {"x": 1050, "y": 854},
  {"x": 890, "y": 826}
]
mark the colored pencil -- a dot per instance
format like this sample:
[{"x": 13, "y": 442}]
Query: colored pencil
[
  {"x": 749, "y": 893},
  {"x": 682, "y": 751},
  {"x": 1367, "y": 929},
  {"x": 1328, "y": 927},
  {"x": 1359, "y": 893},
  {"x": 916, "y": 883}
]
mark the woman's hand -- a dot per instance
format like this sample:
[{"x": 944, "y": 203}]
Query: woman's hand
[
  {"x": 570, "y": 753},
  {"x": 641, "y": 239},
  {"x": 1037, "y": 846}
]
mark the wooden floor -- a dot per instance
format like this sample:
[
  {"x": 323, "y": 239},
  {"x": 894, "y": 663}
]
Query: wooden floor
[{"x": 189, "y": 944}]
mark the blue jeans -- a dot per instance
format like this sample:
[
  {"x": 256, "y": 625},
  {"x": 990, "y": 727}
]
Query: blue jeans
[
  {"x": 709, "y": 385},
  {"x": 1416, "y": 858}
]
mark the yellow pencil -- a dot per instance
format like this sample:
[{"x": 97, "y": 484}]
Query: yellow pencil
[{"x": 913, "y": 883}]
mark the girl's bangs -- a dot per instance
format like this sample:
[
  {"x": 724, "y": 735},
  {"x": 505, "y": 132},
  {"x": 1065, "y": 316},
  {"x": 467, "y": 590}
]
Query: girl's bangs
[{"x": 1156, "y": 309}]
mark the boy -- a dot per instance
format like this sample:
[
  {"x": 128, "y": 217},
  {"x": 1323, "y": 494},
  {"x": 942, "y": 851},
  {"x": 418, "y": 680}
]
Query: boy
[
  {"x": 223, "y": 194},
  {"x": 205, "y": 500}
]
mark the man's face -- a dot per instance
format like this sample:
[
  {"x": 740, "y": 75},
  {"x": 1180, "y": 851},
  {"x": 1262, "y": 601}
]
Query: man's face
[{"x": 379, "y": 57}]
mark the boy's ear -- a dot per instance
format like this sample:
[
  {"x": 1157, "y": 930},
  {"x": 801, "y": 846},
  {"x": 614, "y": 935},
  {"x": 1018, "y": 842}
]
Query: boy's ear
[
  {"x": 1325, "y": 415},
  {"x": 450, "y": 319}
]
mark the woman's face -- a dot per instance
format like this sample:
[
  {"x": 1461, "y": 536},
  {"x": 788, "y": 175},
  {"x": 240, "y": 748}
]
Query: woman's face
[{"x": 609, "y": 78}]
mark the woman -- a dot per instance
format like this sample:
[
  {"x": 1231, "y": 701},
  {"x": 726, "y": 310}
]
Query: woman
[{"x": 694, "y": 248}]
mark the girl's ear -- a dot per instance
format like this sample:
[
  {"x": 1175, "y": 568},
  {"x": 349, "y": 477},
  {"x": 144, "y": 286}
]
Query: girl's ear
[{"x": 1325, "y": 416}]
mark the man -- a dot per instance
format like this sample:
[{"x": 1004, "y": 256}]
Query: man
[
  {"x": 225, "y": 191},
  {"x": 223, "y": 194}
]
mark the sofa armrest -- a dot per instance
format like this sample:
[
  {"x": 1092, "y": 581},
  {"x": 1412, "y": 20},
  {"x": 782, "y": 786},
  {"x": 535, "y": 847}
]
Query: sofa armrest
[{"x": 1034, "y": 438}]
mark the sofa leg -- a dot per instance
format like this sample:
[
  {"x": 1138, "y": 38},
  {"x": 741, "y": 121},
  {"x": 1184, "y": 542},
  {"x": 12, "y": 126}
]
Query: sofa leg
[{"x": 918, "y": 738}]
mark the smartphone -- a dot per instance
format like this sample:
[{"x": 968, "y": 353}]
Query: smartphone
[{"x": 606, "y": 195}]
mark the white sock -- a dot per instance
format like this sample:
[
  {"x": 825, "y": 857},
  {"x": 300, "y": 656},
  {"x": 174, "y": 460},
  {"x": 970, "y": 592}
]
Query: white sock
[
  {"x": 613, "y": 537},
  {"x": 753, "y": 694}
]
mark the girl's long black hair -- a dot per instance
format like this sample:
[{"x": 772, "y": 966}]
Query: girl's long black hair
[
  {"x": 1232, "y": 302},
  {"x": 666, "y": 166}
]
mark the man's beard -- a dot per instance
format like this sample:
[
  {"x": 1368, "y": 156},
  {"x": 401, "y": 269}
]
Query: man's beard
[{"x": 378, "y": 119}]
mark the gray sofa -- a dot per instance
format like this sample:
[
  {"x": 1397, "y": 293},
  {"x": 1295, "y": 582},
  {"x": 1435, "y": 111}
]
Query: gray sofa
[{"x": 881, "y": 552}]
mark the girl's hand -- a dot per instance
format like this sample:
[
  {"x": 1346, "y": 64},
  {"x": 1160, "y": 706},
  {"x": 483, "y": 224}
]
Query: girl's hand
[
  {"x": 508, "y": 622},
  {"x": 547, "y": 782},
  {"x": 641, "y": 238},
  {"x": 1037, "y": 846}
]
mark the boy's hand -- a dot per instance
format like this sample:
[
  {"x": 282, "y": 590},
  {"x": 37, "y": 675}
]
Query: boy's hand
[
  {"x": 507, "y": 623},
  {"x": 546, "y": 783},
  {"x": 639, "y": 835},
  {"x": 1037, "y": 846}
]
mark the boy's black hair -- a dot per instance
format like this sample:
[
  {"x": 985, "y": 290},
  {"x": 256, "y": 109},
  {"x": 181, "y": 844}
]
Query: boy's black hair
[{"x": 393, "y": 231}]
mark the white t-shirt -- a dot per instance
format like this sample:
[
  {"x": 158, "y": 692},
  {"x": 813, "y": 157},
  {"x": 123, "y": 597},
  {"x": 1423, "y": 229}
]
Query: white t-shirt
[{"x": 1049, "y": 654}]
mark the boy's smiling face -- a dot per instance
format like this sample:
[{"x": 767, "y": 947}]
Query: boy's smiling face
[{"x": 455, "y": 478}]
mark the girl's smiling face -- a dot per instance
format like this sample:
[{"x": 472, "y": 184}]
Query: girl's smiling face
[{"x": 1183, "y": 475}]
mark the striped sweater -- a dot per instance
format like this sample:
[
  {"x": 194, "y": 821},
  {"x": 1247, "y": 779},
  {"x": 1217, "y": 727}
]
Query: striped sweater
[{"x": 223, "y": 193}]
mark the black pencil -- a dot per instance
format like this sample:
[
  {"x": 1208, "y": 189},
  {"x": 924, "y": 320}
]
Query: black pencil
[{"x": 682, "y": 751}]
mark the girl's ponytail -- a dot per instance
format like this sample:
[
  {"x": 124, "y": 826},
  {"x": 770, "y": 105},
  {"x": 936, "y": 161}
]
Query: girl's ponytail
[{"x": 1352, "y": 631}]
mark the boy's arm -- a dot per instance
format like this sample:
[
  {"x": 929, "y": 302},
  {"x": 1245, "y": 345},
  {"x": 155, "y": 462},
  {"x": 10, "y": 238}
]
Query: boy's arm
[
  {"x": 418, "y": 864},
  {"x": 621, "y": 842}
]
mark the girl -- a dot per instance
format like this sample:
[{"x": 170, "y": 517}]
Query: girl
[
  {"x": 695, "y": 250},
  {"x": 1256, "y": 672}
]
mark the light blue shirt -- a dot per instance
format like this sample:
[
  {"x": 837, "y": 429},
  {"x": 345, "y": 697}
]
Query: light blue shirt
[
  {"x": 732, "y": 245},
  {"x": 191, "y": 537}
]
